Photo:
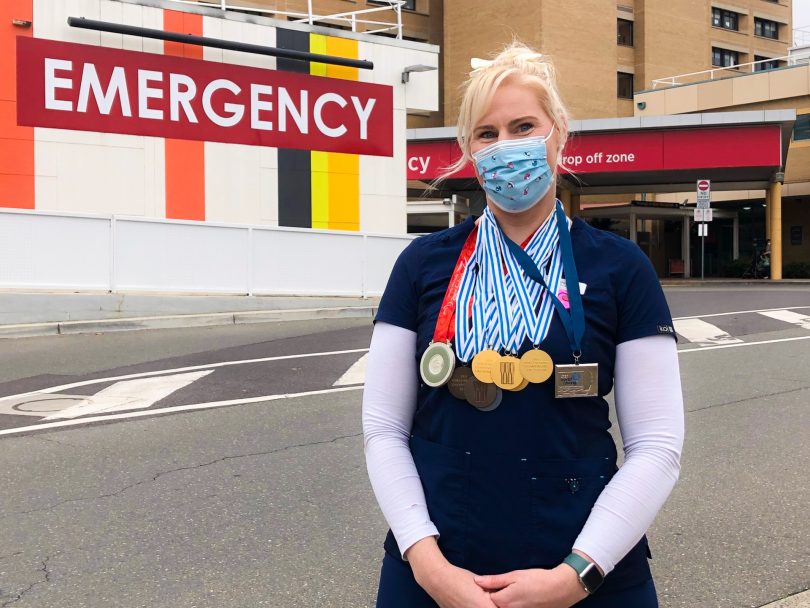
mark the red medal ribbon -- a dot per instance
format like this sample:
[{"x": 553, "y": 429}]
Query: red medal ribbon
[{"x": 445, "y": 323}]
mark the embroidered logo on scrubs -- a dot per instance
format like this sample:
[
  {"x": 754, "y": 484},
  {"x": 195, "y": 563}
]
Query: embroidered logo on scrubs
[{"x": 666, "y": 329}]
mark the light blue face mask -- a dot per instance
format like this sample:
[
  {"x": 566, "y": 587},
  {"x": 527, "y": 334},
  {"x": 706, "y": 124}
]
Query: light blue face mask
[{"x": 516, "y": 172}]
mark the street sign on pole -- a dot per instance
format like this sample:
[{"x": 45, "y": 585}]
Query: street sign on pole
[
  {"x": 704, "y": 215},
  {"x": 704, "y": 193}
]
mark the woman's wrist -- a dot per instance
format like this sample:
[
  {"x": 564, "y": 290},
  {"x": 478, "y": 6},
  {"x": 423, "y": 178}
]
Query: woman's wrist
[{"x": 425, "y": 559}]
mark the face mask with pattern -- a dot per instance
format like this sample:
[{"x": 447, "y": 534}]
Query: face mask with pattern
[{"x": 515, "y": 172}]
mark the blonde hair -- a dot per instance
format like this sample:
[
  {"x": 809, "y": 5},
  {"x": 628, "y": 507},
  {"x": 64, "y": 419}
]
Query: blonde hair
[{"x": 527, "y": 66}]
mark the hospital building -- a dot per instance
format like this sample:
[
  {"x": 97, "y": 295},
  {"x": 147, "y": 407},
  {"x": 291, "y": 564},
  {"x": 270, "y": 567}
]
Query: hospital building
[{"x": 286, "y": 146}]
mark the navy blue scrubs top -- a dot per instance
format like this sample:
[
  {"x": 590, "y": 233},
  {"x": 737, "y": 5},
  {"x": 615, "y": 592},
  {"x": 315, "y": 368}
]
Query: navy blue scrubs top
[{"x": 512, "y": 488}]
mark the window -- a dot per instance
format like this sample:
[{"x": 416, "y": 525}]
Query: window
[
  {"x": 767, "y": 64},
  {"x": 409, "y": 4},
  {"x": 625, "y": 32},
  {"x": 728, "y": 20},
  {"x": 801, "y": 128},
  {"x": 624, "y": 85},
  {"x": 766, "y": 28},
  {"x": 724, "y": 58}
]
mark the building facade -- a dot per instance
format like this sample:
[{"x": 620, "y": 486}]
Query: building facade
[
  {"x": 171, "y": 163},
  {"x": 605, "y": 51}
]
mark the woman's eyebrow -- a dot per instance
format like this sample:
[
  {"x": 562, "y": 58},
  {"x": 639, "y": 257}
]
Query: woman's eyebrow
[{"x": 521, "y": 119}]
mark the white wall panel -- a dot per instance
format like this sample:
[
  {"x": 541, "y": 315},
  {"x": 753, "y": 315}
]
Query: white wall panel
[
  {"x": 50, "y": 20},
  {"x": 268, "y": 196},
  {"x": 154, "y": 175},
  {"x": 114, "y": 182},
  {"x": 232, "y": 190},
  {"x": 47, "y": 251},
  {"x": 132, "y": 14},
  {"x": 180, "y": 257},
  {"x": 152, "y": 18},
  {"x": 307, "y": 262},
  {"x": 47, "y": 192},
  {"x": 114, "y": 13},
  {"x": 381, "y": 253},
  {"x": 385, "y": 213},
  {"x": 236, "y": 188}
]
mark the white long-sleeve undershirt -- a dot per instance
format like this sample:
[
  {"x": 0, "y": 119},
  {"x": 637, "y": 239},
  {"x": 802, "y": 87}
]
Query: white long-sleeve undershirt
[{"x": 649, "y": 407}]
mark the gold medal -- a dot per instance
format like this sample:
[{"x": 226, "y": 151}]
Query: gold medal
[
  {"x": 506, "y": 373},
  {"x": 536, "y": 366},
  {"x": 578, "y": 380},
  {"x": 483, "y": 363},
  {"x": 520, "y": 386}
]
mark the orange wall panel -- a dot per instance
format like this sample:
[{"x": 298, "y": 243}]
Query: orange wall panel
[
  {"x": 16, "y": 143},
  {"x": 185, "y": 160}
]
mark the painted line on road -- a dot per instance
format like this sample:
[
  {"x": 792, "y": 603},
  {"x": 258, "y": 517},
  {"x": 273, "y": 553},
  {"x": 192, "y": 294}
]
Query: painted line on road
[
  {"x": 787, "y": 316},
  {"x": 703, "y": 349},
  {"x": 137, "y": 394},
  {"x": 700, "y": 332},
  {"x": 356, "y": 374},
  {"x": 738, "y": 312},
  {"x": 217, "y": 404},
  {"x": 177, "y": 408},
  {"x": 63, "y": 387}
]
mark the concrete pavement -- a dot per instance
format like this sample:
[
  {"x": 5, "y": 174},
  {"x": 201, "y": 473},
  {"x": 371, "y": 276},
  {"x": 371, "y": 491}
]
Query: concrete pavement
[
  {"x": 28, "y": 314},
  {"x": 43, "y": 313}
]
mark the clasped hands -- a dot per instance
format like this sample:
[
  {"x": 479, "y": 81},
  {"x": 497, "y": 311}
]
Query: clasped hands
[{"x": 453, "y": 587}]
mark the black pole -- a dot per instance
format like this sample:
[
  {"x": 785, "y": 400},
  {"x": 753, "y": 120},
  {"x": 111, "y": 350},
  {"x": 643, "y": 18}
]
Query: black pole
[{"x": 144, "y": 32}]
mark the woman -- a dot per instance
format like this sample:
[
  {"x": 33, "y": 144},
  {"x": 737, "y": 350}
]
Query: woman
[{"x": 485, "y": 423}]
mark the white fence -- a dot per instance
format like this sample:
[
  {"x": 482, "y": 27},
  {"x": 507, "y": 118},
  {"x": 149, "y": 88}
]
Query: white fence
[{"x": 49, "y": 250}]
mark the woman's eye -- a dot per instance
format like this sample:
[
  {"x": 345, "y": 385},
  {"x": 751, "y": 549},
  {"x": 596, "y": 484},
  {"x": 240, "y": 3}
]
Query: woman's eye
[
  {"x": 487, "y": 135},
  {"x": 525, "y": 127}
]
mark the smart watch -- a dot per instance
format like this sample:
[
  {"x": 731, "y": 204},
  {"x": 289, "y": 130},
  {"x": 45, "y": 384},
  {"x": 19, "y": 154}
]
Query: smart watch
[{"x": 589, "y": 576}]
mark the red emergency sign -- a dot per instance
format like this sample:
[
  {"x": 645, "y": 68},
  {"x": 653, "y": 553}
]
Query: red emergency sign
[{"x": 89, "y": 88}]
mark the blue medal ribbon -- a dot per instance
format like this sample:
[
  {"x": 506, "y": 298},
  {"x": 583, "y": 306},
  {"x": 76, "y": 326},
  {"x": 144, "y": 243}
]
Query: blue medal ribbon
[{"x": 573, "y": 321}]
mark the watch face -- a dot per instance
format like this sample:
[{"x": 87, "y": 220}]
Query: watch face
[{"x": 591, "y": 577}]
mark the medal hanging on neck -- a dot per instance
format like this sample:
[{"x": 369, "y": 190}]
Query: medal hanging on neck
[
  {"x": 535, "y": 365},
  {"x": 472, "y": 325},
  {"x": 579, "y": 379},
  {"x": 439, "y": 360}
]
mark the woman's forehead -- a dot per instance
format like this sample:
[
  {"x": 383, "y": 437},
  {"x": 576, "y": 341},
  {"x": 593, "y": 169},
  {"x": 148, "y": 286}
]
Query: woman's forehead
[{"x": 512, "y": 100}]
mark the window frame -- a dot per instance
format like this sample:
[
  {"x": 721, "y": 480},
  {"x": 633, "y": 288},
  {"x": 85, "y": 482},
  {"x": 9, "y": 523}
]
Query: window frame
[
  {"x": 719, "y": 16},
  {"x": 725, "y": 53},
  {"x": 619, "y": 21},
  {"x": 759, "y": 28},
  {"x": 410, "y": 5},
  {"x": 805, "y": 128},
  {"x": 620, "y": 80}
]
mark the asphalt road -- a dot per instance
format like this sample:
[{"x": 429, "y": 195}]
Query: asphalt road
[{"x": 266, "y": 502}]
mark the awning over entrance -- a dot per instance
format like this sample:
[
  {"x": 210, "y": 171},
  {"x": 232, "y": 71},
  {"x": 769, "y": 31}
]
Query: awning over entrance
[{"x": 735, "y": 150}]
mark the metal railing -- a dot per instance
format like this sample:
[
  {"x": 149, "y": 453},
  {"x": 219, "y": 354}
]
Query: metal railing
[
  {"x": 801, "y": 36},
  {"x": 351, "y": 19},
  {"x": 731, "y": 71}
]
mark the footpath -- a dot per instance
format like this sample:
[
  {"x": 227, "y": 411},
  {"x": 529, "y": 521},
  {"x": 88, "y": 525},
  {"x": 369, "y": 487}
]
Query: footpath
[
  {"x": 43, "y": 313},
  {"x": 30, "y": 314}
]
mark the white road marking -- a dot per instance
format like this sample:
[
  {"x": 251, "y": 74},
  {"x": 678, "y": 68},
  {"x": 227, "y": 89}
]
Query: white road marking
[
  {"x": 739, "y": 312},
  {"x": 356, "y": 374},
  {"x": 135, "y": 394},
  {"x": 795, "y": 318},
  {"x": 705, "y": 348},
  {"x": 217, "y": 404},
  {"x": 161, "y": 372},
  {"x": 177, "y": 408},
  {"x": 700, "y": 332}
]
